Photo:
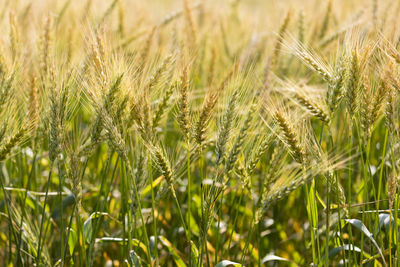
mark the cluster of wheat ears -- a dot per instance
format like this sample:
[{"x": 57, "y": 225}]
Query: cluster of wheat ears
[{"x": 222, "y": 134}]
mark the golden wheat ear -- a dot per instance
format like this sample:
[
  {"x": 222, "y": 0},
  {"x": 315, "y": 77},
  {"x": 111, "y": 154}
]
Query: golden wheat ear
[
  {"x": 310, "y": 58},
  {"x": 163, "y": 164},
  {"x": 278, "y": 42},
  {"x": 289, "y": 137},
  {"x": 45, "y": 43},
  {"x": 183, "y": 103},
  {"x": 11, "y": 142},
  {"x": 306, "y": 97},
  {"x": 206, "y": 113}
]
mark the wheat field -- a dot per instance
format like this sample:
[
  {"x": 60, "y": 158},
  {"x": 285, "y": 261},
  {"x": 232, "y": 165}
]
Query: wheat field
[{"x": 199, "y": 133}]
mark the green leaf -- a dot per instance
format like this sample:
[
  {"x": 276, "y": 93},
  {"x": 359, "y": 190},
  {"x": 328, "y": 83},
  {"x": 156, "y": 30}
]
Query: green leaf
[
  {"x": 88, "y": 230},
  {"x": 271, "y": 257},
  {"x": 31, "y": 202},
  {"x": 321, "y": 201},
  {"x": 359, "y": 225},
  {"x": 178, "y": 260},
  {"x": 225, "y": 263},
  {"x": 135, "y": 242},
  {"x": 195, "y": 253},
  {"x": 155, "y": 183},
  {"x": 88, "y": 225},
  {"x": 72, "y": 239},
  {"x": 348, "y": 247},
  {"x": 135, "y": 258},
  {"x": 311, "y": 206},
  {"x": 194, "y": 228},
  {"x": 384, "y": 220},
  {"x": 66, "y": 202}
]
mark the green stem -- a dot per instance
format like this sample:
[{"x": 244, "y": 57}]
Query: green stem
[
  {"x": 396, "y": 231},
  {"x": 11, "y": 231},
  {"x": 28, "y": 186},
  {"x": 127, "y": 210},
  {"x": 235, "y": 220},
  {"x": 311, "y": 221},
  {"x": 100, "y": 201},
  {"x": 74, "y": 209},
  {"x": 203, "y": 233},
  {"x": 139, "y": 208},
  {"x": 180, "y": 214},
  {"x": 218, "y": 237},
  {"x": 252, "y": 225},
  {"x": 349, "y": 192},
  {"x": 39, "y": 251},
  {"x": 69, "y": 228},
  {"x": 382, "y": 167},
  {"x": 153, "y": 214},
  {"x": 189, "y": 203},
  {"x": 396, "y": 205},
  {"x": 60, "y": 189},
  {"x": 81, "y": 240},
  {"x": 390, "y": 238},
  {"x": 367, "y": 176},
  {"x": 328, "y": 209}
]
